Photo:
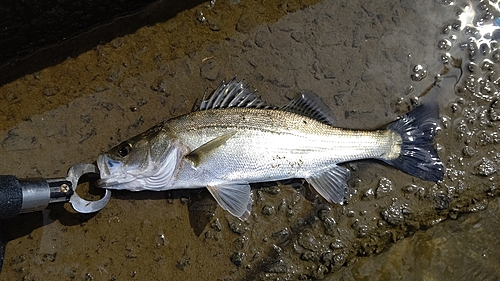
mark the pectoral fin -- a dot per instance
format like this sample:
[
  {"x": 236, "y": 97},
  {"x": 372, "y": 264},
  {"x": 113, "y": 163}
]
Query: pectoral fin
[
  {"x": 233, "y": 197},
  {"x": 201, "y": 153},
  {"x": 331, "y": 184}
]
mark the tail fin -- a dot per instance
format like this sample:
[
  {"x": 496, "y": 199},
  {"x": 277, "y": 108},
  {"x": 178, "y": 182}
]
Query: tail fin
[{"x": 418, "y": 156}]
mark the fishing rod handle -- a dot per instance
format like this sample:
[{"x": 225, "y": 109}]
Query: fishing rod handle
[{"x": 29, "y": 195}]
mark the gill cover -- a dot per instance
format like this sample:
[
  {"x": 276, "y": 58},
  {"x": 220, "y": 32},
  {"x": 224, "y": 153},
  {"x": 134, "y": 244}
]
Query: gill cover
[{"x": 153, "y": 171}]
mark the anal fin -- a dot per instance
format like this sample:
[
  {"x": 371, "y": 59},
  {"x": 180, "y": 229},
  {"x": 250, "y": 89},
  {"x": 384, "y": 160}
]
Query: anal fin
[
  {"x": 331, "y": 184},
  {"x": 234, "y": 197}
]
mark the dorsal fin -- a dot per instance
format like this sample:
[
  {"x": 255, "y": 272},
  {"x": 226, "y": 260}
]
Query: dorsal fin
[
  {"x": 232, "y": 94},
  {"x": 310, "y": 105}
]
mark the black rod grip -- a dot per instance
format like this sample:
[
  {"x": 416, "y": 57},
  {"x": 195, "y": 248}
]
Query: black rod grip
[{"x": 11, "y": 197}]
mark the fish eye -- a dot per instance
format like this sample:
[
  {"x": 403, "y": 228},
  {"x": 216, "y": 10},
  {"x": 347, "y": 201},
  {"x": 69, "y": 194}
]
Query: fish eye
[{"x": 124, "y": 149}]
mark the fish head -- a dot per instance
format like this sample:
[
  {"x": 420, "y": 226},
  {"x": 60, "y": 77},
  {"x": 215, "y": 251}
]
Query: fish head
[{"x": 145, "y": 162}]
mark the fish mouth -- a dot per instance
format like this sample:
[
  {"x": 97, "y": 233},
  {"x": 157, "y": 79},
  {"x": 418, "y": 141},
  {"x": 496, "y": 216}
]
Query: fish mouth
[
  {"x": 114, "y": 176},
  {"x": 103, "y": 163},
  {"x": 150, "y": 174}
]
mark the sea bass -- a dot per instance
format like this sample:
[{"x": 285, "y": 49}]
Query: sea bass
[{"x": 234, "y": 139}]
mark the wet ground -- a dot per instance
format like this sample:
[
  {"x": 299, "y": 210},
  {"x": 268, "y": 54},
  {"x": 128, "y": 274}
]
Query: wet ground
[{"x": 370, "y": 62}]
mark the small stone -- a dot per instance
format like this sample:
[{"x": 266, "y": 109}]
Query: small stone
[
  {"x": 268, "y": 210},
  {"x": 410, "y": 188},
  {"x": 274, "y": 266},
  {"x": 330, "y": 226},
  {"x": 237, "y": 227},
  {"x": 485, "y": 167},
  {"x": 469, "y": 151},
  {"x": 216, "y": 225},
  {"x": 238, "y": 258},
  {"x": 393, "y": 215},
  {"x": 240, "y": 243},
  {"x": 50, "y": 257},
  {"x": 384, "y": 188},
  {"x": 338, "y": 244},
  {"x": 281, "y": 236},
  {"x": 368, "y": 195}
]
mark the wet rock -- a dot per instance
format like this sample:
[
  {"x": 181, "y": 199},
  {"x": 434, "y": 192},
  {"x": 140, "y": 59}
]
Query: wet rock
[
  {"x": 485, "y": 167},
  {"x": 327, "y": 257},
  {"x": 107, "y": 105},
  {"x": 478, "y": 205},
  {"x": 277, "y": 250},
  {"x": 240, "y": 243},
  {"x": 334, "y": 259},
  {"x": 394, "y": 214},
  {"x": 114, "y": 74},
  {"x": 308, "y": 240},
  {"x": 216, "y": 225},
  {"x": 384, "y": 188},
  {"x": 11, "y": 97},
  {"x": 406, "y": 209},
  {"x": 159, "y": 85},
  {"x": 350, "y": 213},
  {"x": 368, "y": 195},
  {"x": 271, "y": 189},
  {"x": 90, "y": 277},
  {"x": 237, "y": 258},
  {"x": 469, "y": 151},
  {"x": 362, "y": 230},
  {"x": 50, "y": 91},
  {"x": 442, "y": 201},
  {"x": 330, "y": 226},
  {"x": 274, "y": 266},
  {"x": 485, "y": 138},
  {"x": 141, "y": 102},
  {"x": 419, "y": 73},
  {"x": 494, "y": 111},
  {"x": 17, "y": 260},
  {"x": 183, "y": 262},
  {"x": 160, "y": 240},
  {"x": 410, "y": 188},
  {"x": 50, "y": 257},
  {"x": 281, "y": 236},
  {"x": 462, "y": 129},
  {"x": 237, "y": 227},
  {"x": 324, "y": 212},
  {"x": 309, "y": 256},
  {"x": 339, "y": 260},
  {"x": 338, "y": 244},
  {"x": 268, "y": 210}
]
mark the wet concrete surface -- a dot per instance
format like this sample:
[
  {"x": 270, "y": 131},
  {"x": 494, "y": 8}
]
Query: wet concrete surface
[{"x": 370, "y": 62}]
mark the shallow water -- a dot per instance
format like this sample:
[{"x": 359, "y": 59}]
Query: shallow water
[{"x": 370, "y": 62}]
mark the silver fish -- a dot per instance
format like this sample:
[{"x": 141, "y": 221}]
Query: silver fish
[{"x": 235, "y": 139}]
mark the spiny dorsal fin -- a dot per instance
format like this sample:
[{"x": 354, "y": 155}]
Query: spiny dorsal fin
[
  {"x": 232, "y": 94},
  {"x": 310, "y": 105}
]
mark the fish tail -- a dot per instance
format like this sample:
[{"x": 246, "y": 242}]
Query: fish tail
[{"x": 418, "y": 157}]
